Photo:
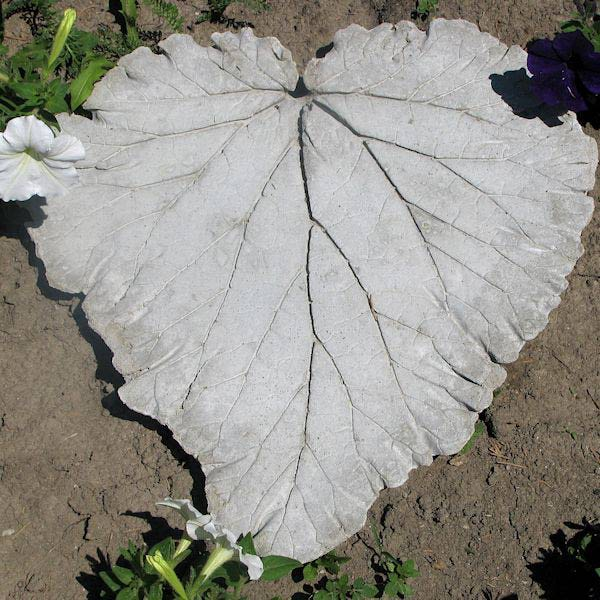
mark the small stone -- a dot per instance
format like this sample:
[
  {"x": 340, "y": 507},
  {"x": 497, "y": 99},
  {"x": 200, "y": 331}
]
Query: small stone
[
  {"x": 425, "y": 503},
  {"x": 440, "y": 516},
  {"x": 458, "y": 460},
  {"x": 493, "y": 476}
]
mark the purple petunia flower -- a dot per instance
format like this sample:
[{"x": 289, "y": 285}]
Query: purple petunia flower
[{"x": 566, "y": 70}]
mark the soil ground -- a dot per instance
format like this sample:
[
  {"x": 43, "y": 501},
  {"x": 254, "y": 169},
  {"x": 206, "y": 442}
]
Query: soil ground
[{"x": 80, "y": 473}]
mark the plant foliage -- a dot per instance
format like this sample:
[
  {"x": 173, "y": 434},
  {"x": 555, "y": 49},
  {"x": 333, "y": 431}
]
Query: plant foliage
[
  {"x": 584, "y": 549},
  {"x": 32, "y": 84},
  {"x": 425, "y": 8},
  {"x": 216, "y": 9},
  {"x": 586, "y": 20},
  {"x": 29, "y": 85},
  {"x": 479, "y": 430},
  {"x": 168, "y": 11},
  {"x": 134, "y": 577}
]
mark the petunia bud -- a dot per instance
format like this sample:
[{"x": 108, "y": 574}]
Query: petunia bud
[
  {"x": 60, "y": 38},
  {"x": 164, "y": 569},
  {"x": 218, "y": 557}
]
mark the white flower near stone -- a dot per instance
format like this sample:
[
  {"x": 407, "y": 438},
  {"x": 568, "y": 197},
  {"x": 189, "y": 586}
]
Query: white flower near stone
[
  {"x": 204, "y": 527},
  {"x": 33, "y": 161}
]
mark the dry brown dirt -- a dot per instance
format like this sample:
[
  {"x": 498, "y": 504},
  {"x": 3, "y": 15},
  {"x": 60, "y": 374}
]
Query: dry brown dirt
[{"x": 79, "y": 473}]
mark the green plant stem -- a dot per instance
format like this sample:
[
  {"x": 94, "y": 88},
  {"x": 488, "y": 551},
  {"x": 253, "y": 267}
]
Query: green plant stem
[{"x": 129, "y": 12}]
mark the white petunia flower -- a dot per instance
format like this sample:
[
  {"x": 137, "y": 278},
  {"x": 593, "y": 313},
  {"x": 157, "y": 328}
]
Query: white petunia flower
[
  {"x": 34, "y": 162},
  {"x": 204, "y": 527}
]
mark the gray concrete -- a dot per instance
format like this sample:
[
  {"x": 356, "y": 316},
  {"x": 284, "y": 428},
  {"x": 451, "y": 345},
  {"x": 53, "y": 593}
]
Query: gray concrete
[{"x": 314, "y": 290}]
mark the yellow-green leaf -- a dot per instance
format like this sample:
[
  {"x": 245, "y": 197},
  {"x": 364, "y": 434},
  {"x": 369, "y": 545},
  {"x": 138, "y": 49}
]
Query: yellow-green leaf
[{"x": 81, "y": 87}]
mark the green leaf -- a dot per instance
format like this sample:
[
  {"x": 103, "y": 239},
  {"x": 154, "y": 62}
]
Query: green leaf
[
  {"x": 180, "y": 558},
  {"x": 390, "y": 589},
  {"x": 479, "y": 429},
  {"x": 405, "y": 590},
  {"x": 109, "y": 582},
  {"x": 231, "y": 573},
  {"x": 55, "y": 98},
  {"x": 366, "y": 590},
  {"x": 247, "y": 544},
  {"x": 424, "y": 7},
  {"x": 155, "y": 592},
  {"x": 81, "y": 87},
  {"x": 168, "y": 11},
  {"x": 130, "y": 552},
  {"x": 571, "y": 25},
  {"x": 370, "y": 591},
  {"x": 310, "y": 572},
  {"x": 125, "y": 576},
  {"x": 331, "y": 562},
  {"x": 276, "y": 567},
  {"x": 166, "y": 548},
  {"x": 408, "y": 569},
  {"x": 127, "y": 594},
  {"x": 26, "y": 90}
]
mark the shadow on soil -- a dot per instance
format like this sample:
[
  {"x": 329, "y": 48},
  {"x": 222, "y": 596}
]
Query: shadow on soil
[
  {"x": 13, "y": 217},
  {"x": 570, "y": 569}
]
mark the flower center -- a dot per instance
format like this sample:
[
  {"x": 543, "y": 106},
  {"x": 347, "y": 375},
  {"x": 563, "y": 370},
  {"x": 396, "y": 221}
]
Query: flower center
[{"x": 33, "y": 153}]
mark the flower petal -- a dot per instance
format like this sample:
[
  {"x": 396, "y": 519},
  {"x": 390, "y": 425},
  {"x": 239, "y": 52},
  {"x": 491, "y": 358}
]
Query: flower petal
[
  {"x": 6, "y": 150},
  {"x": 570, "y": 43},
  {"x": 544, "y": 49},
  {"x": 66, "y": 148},
  {"x": 29, "y": 132},
  {"x": 200, "y": 529},
  {"x": 229, "y": 539},
  {"x": 589, "y": 71},
  {"x": 581, "y": 45},
  {"x": 541, "y": 65},
  {"x": 185, "y": 508},
  {"x": 559, "y": 90},
  {"x": 253, "y": 564},
  {"x": 590, "y": 80},
  {"x": 27, "y": 177},
  {"x": 11, "y": 185}
]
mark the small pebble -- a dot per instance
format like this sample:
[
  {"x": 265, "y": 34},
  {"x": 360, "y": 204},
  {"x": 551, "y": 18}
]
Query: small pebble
[{"x": 458, "y": 460}]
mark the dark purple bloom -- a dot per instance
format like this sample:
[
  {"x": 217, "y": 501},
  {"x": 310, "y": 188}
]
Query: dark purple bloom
[{"x": 566, "y": 70}]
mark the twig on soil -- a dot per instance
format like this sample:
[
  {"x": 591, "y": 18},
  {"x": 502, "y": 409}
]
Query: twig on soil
[
  {"x": 16, "y": 533},
  {"x": 12, "y": 37},
  {"x": 592, "y": 399},
  {"x": 510, "y": 464},
  {"x": 546, "y": 484},
  {"x": 495, "y": 450},
  {"x": 562, "y": 362}
]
